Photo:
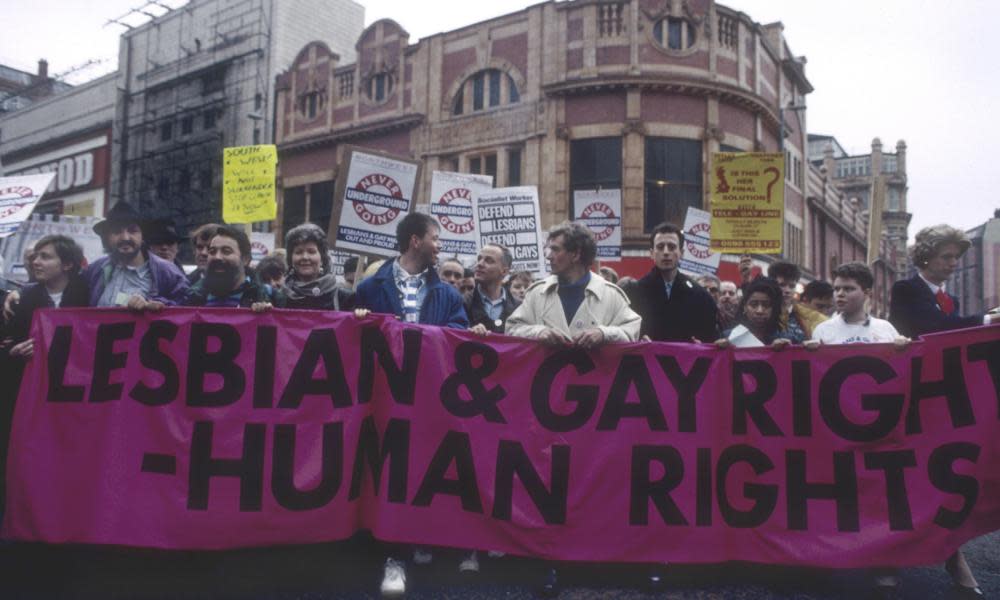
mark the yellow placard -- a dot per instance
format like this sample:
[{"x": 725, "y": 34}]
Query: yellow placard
[
  {"x": 248, "y": 184},
  {"x": 747, "y": 202}
]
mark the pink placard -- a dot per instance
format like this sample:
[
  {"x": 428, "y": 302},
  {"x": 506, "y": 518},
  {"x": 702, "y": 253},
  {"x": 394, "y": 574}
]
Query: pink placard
[{"x": 219, "y": 428}]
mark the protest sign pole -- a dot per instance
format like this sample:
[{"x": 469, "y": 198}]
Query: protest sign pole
[
  {"x": 374, "y": 192},
  {"x": 359, "y": 269}
]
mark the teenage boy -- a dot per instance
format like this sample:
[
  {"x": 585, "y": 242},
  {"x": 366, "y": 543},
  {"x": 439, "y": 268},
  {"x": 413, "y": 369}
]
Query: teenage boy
[{"x": 852, "y": 289}]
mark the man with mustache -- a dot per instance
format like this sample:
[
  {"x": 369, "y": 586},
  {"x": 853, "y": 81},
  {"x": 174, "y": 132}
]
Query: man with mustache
[
  {"x": 130, "y": 275},
  {"x": 225, "y": 282}
]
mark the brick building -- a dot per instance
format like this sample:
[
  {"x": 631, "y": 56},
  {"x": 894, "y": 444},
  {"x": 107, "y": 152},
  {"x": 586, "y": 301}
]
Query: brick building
[
  {"x": 837, "y": 224},
  {"x": 200, "y": 78},
  {"x": 567, "y": 96},
  {"x": 858, "y": 177}
]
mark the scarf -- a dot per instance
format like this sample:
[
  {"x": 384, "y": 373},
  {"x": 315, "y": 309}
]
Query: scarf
[{"x": 322, "y": 285}]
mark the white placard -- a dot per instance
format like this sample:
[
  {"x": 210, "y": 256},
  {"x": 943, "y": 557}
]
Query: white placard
[
  {"x": 511, "y": 217},
  {"x": 261, "y": 245},
  {"x": 452, "y": 204},
  {"x": 698, "y": 259},
  {"x": 376, "y": 195},
  {"x": 81, "y": 229},
  {"x": 337, "y": 260},
  {"x": 601, "y": 212},
  {"x": 18, "y": 197}
]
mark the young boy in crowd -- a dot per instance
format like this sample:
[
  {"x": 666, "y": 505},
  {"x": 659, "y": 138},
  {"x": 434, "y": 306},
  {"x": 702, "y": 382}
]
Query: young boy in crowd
[{"x": 852, "y": 289}]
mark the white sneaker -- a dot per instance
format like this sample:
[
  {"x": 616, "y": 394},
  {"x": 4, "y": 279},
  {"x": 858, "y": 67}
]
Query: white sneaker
[
  {"x": 422, "y": 556},
  {"x": 470, "y": 564},
  {"x": 393, "y": 579},
  {"x": 496, "y": 554}
]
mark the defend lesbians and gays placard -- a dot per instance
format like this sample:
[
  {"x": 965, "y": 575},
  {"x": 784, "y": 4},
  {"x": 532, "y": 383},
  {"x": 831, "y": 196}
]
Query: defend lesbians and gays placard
[{"x": 221, "y": 428}]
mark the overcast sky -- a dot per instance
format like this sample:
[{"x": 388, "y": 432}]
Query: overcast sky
[{"x": 915, "y": 70}]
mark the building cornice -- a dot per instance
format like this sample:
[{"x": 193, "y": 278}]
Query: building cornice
[
  {"x": 677, "y": 85},
  {"x": 374, "y": 128}
]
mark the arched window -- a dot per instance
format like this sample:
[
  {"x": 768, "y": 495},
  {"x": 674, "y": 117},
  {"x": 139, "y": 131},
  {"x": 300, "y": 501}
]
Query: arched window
[
  {"x": 674, "y": 33},
  {"x": 485, "y": 89},
  {"x": 380, "y": 86}
]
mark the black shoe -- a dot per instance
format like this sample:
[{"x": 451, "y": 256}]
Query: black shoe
[
  {"x": 550, "y": 585},
  {"x": 967, "y": 593}
]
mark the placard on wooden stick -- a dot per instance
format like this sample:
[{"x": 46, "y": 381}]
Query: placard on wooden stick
[{"x": 374, "y": 192}]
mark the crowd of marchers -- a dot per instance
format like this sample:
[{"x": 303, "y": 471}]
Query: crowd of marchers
[{"x": 573, "y": 305}]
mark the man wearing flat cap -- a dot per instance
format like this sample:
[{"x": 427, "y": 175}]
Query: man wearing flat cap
[{"x": 130, "y": 275}]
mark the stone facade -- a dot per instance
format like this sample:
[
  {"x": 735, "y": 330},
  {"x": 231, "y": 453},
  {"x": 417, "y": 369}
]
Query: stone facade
[{"x": 629, "y": 94}]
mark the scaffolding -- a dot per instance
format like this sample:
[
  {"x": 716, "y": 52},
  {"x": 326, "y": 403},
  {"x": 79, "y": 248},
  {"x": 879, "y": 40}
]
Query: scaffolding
[{"x": 176, "y": 116}]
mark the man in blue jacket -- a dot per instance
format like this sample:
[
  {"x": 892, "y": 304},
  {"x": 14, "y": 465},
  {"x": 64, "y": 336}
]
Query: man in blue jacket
[{"x": 408, "y": 286}]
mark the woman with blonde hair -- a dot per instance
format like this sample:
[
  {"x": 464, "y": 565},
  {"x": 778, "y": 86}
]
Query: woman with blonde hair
[{"x": 920, "y": 305}]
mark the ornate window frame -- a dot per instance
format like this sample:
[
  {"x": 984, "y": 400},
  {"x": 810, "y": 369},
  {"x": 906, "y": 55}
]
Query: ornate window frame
[
  {"x": 457, "y": 88},
  {"x": 691, "y": 24}
]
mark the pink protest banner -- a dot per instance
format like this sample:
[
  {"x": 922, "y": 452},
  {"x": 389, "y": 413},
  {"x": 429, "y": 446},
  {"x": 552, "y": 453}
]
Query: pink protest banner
[{"x": 221, "y": 428}]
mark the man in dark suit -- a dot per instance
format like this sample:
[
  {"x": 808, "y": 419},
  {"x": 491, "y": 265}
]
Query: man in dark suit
[
  {"x": 673, "y": 308},
  {"x": 921, "y": 304},
  {"x": 489, "y": 304}
]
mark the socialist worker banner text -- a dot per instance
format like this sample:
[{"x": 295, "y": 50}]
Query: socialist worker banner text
[{"x": 203, "y": 429}]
